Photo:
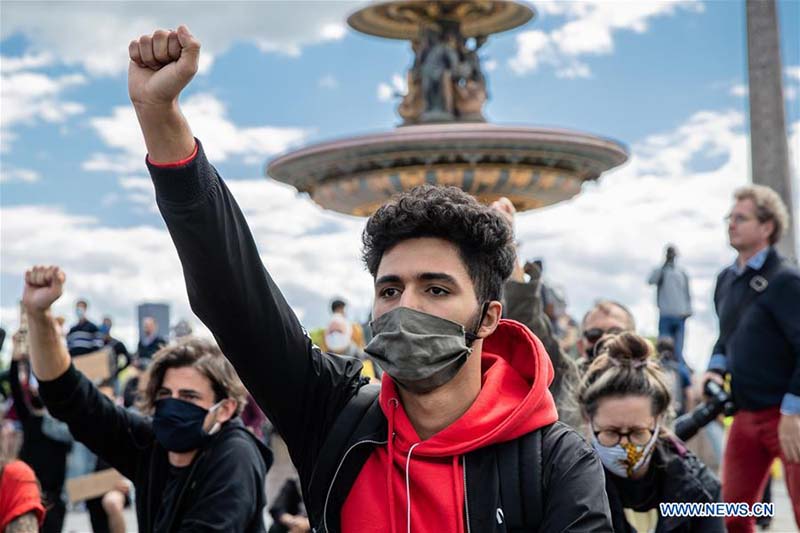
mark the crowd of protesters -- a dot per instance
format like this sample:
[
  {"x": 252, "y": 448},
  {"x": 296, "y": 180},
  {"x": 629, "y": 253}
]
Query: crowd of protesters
[
  {"x": 45, "y": 435},
  {"x": 462, "y": 406}
]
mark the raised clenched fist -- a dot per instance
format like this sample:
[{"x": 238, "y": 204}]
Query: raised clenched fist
[
  {"x": 162, "y": 64},
  {"x": 43, "y": 286}
]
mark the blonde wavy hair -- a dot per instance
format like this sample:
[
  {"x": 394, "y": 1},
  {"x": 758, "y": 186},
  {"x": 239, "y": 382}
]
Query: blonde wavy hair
[{"x": 769, "y": 206}]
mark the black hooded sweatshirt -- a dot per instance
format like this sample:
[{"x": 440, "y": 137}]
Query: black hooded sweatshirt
[{"x": 222, "y": 489}]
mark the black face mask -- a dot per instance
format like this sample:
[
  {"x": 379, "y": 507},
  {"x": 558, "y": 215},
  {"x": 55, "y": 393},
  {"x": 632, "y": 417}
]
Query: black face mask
[{"x": 178, "y": 425}]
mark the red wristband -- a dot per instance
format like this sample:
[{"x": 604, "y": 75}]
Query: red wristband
[{"x": 174, "y": 164}]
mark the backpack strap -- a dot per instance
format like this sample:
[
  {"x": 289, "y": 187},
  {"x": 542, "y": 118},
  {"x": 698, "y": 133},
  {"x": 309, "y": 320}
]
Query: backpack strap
[
  {"x": 519, "y": 464},
  {"x": 357, "y": 417},
  {"x": 350, "y": 416}
]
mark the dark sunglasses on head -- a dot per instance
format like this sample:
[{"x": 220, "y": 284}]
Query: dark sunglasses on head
[{"x": 595, "y": 334}]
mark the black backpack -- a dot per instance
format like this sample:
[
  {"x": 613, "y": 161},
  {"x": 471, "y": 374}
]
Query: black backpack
[{"x": 519, "y": 464}]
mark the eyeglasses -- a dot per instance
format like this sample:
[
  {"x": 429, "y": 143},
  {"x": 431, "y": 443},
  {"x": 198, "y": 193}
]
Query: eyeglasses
[
  {"x": 595, "y": 334},
  {"x": 738, "y": 219},
  {"x": 612, "y": 437}
]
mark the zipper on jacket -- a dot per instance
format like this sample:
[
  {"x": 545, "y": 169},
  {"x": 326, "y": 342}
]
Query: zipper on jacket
[
  {"x": 335, "y": 474},
  {"x": 466, "y": 498}
]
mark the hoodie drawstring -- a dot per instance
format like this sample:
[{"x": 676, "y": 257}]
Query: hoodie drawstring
[
  {"x": 408, "y": 489},
  {"x": 393, "y": 402},
  {"x": 456, "y": 484}
]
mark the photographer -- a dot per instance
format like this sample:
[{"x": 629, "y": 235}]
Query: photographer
[
  {"x": 625, "y": 401},
  {"x": 756, "y": 300}
]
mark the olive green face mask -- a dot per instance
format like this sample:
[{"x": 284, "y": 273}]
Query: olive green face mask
[{"x": 420, "y": 351}]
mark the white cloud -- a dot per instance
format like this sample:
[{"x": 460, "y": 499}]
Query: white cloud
[
  {"x": 26, "y": 62},
  {"x": 30, "y": 97},
  {"x": 139, "y": 192},
  {"x": 589, "y": 28},
  {"x": 574, "y": 71},
  {"x": 676, "y": 188},
  {"x": 739, "y": 89},
  {"x": 792, "y": 72},
  {"x": 209, "y": 121},
  {"x": 333, "y": 31},
  {"x": 95, "y": 35},
  {"x": 398, "y": 86},
  {"x": 12, "y": 174},
  {"x": 490, "y": 65},
  {"x": 312, "y": 254},
  {"x": 328, "y": 81}
]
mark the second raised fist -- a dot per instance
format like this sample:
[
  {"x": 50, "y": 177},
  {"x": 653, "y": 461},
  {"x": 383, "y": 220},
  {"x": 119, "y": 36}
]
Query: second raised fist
[{"x": 43, "y": 286}]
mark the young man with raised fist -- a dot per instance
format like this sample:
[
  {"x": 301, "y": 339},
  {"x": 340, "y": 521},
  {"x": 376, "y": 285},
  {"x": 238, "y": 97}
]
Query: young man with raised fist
[
  {"x": 462, "y": 433},
  {"x": 194, "y": 465}
]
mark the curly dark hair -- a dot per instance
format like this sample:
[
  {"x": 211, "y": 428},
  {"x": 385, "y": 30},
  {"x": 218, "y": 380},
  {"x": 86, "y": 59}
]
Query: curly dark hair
[{"x": 483, "y": 237}]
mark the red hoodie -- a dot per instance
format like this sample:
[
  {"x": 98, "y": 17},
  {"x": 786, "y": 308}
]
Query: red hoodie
[{"x": 514, "y": 400}]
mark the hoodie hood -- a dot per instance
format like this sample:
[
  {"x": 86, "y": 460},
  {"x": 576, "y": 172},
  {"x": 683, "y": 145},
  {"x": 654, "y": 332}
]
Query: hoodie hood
[
  {"x": 235, "y": 426},
  {"x": 414, "y": 485},
  {"x": 514, "y": 398}
]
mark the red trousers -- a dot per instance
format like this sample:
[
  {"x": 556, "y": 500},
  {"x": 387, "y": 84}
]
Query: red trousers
[{"x": 752, "y": 447}]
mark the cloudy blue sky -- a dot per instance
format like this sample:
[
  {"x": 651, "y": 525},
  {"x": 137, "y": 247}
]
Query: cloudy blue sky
[{"x": 668, "y": 79}]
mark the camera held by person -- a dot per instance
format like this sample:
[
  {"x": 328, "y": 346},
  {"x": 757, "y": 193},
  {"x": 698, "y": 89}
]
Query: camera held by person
[{"x": 719, "y": 402}]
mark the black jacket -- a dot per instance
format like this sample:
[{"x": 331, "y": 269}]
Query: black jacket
[
  {"x": 224, "y": 490},
  {"x": 763, "y": 351},
  {"x": 678, "y": 477},
  {"x": 303, "y": 391}
]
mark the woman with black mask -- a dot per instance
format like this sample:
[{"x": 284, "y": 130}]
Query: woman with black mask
[
  {"x": 626, "y": 401},
  {"x": 194, "y": 465}
]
